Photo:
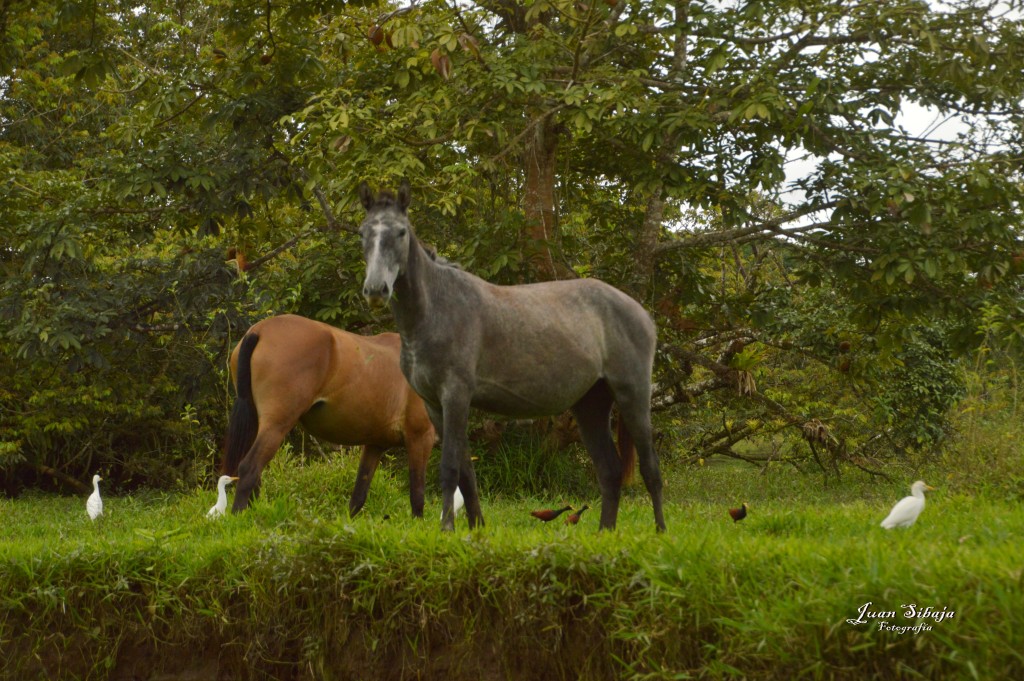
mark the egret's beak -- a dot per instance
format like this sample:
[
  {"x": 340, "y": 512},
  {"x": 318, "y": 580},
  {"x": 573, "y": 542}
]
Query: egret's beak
[
  {"x": 930, "y": 488},
  {"x": 235, "y": 478}
]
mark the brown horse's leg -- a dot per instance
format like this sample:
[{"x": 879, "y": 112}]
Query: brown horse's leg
[
  {"x": 267, "y": 442},
  {"x": 418, "y": 449},
  {"x": 367, "y": 467},
  {"x": 592, "y": 414}
]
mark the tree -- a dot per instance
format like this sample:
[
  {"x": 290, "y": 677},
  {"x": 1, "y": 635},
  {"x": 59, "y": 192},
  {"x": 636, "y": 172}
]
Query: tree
[
  {"x": 641, "y": 142},
  {"x": 651, "y": 110}
]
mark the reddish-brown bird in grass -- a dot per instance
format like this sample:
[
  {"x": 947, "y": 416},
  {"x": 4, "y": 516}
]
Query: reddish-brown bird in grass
[
  {"x": 549, "y": 514},
  {"x": 575, "y": 517},
  {"x": 738, "y": 514}
]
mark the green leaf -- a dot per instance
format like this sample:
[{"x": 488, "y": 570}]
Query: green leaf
[
  {"x": 648, "y": 141},
  {"x": 920, "y": 214},
  {"x": 625, "y": 29},
  {"x": 716, "y": 60}
]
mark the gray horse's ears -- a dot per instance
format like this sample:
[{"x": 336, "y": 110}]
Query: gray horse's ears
[
  {"x": 404, "y": 195},
  {"x": 366, "y": 195}
]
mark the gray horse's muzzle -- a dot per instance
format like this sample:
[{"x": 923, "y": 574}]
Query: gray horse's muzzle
[
  {"x": 377, "y": 296},
  {"x": 379, "y": 285},
  {"x": 381, "y": 273}
]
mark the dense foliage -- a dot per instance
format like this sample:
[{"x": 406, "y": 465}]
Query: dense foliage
[{"x": 175, "y": 170}]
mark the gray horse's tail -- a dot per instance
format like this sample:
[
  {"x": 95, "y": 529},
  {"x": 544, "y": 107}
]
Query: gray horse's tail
[
  {"x": 627, "y": 451},
  {"x": 244, "y": 420}
]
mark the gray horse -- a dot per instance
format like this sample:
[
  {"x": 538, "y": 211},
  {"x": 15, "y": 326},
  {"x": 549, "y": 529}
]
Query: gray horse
[{"x": 522, "y": 351}]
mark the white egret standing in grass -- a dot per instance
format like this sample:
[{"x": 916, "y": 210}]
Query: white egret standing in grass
[
  {"x": 94, "y": 504},
  {"x": 458, "y": 502},
  {"x": 222, "y": 497},
  {"x": 906, "y": 510}
]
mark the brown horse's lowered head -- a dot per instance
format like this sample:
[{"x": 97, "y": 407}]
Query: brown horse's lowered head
[{"x": 386, "y": 236}]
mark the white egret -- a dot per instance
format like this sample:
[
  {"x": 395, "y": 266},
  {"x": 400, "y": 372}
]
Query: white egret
[
  {"x": 222, "y": 497},
  {"x": 906, "y": 510},
  {"x": 458, "y": 502},
  {"x": 94, "y": 504}
]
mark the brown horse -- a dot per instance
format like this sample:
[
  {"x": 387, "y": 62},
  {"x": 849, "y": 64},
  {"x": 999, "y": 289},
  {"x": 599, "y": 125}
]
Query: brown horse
[{"x": 343, "y": 388}]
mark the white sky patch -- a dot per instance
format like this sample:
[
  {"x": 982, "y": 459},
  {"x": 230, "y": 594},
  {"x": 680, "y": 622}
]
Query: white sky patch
[{"x": 915, "y": 120}]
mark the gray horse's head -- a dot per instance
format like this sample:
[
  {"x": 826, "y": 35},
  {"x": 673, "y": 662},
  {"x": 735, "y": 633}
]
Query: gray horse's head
[{"x": 386, "y": 238}]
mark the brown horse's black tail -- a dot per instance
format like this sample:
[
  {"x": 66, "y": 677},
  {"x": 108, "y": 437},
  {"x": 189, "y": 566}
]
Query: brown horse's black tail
[
  {"x": 627, "y": 451},
  {"x": 244, "y": 420}
]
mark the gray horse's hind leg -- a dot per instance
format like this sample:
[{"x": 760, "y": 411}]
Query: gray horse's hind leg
[
  {"x": 593, "y": 413},
  {"x": 634, "y": 403}
]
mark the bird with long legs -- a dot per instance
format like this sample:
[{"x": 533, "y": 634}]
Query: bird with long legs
[
  {"x": 574, "y": 518},
  {"x": 548, "y": 514}
]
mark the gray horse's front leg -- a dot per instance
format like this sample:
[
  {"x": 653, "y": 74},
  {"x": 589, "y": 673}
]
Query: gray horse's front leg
[
  {"x": 470, "y": 494},
  {"x": 455, "y": 460}
]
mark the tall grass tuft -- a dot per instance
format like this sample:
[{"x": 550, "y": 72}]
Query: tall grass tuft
[
  {"x": 524, "y": 463},
  {"x": 986, "y": 456}
]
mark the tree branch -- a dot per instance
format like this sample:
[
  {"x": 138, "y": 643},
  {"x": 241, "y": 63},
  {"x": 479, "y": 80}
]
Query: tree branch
[
  {"x": 75, "y": 484},
  {"x": 328, "y": 212},
  {"x": 280, "y": 249}
]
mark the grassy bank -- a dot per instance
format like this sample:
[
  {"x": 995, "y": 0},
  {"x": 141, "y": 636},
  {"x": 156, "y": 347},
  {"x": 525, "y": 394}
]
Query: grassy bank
[{"x": 294, "y": 589}]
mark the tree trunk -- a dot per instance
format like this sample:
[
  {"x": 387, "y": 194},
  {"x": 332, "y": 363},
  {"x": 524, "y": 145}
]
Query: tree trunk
[
  {"x": 539, "y": 200},
  {"x": 645, "y": 253}
]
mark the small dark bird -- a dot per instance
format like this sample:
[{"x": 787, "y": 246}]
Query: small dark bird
[
  {"x": 549, "y": 514},
  {"x": 738, "y": 514},
  {"x": 575, "y": 517}
]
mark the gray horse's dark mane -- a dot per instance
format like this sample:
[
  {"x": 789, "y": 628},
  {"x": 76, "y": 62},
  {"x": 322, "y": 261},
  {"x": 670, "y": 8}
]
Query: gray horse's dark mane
[{"x": 439, "y": 259}]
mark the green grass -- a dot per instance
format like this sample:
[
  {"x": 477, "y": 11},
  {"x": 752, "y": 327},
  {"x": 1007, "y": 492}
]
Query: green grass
[{"x": 295, "y": 589}]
